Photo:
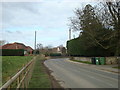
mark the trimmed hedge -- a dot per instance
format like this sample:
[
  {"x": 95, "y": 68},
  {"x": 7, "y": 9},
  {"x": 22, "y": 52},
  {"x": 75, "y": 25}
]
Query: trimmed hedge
[
  {"x": 12, "y": 52},
  {"x": 55, "y": 54},
  {"x": 76, "y": 47}
]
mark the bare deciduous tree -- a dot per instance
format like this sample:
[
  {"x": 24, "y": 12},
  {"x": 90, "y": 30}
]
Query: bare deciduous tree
[
  {"x": 2, "y": 42},
  {"x": 100, "y": 25}
]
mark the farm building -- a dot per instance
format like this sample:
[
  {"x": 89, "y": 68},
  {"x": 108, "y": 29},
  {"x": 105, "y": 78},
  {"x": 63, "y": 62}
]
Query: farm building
[{"x": 16, "y": 45}]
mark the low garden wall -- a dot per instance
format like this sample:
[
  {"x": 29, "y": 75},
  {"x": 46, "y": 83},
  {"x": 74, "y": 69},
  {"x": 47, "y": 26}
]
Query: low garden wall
[
  {"x": 109, "y": 60},
  {"x": 112, "y": 60},
  {"x": 82, "y": 58}
]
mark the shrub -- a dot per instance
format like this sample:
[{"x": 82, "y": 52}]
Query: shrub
[
  {"x": 12, "y": 52},
  {"x": 77, "y": 47},
  {"x": 55, "y": 54}
]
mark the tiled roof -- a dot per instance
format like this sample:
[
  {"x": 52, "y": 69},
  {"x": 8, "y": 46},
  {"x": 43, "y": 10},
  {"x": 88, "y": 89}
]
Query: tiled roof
[
  {"x": 16, "y": 46},
  {"x": 29, "y": 48}
]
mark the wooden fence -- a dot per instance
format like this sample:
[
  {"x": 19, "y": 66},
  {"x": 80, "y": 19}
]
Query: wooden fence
[{"x": 22, "y": 78}]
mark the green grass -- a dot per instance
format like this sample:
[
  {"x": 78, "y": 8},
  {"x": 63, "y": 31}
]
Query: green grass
[
  {"x": 40, "y": 78},
  {"x": 118, "y": 67},
  {"x": 0, "y": 71},
  {"x": 82, "y": 61},
  {"x": 12, "y": 64}
]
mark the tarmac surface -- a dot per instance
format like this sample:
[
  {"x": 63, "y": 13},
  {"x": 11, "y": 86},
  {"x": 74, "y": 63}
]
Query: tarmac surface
[{"x": 72, "y": 74}]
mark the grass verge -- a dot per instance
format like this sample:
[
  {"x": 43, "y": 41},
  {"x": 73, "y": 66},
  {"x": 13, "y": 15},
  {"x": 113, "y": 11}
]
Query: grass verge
[
  {"x": 118, "y": 67},
  {"x": 40, "y": 78},
  {"x": 82, "y": 61},
  {"x": 12, "y": 64}
]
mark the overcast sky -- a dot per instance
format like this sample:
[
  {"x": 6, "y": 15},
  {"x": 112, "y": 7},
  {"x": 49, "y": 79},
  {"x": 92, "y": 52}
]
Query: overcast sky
[{"x": 48, "y": 17}]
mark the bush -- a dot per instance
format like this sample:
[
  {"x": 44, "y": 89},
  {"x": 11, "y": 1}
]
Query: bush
[
  {"x": 55, "y": 54},
  {"x": 12, "y": 52},
  {"x": 77, "y": 47}
]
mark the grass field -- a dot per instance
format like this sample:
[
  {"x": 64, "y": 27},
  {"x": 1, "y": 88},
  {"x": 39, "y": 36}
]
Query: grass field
[
  {"x": 40, "y": 78},
  {"x": 0, "y": 71},
  {"x": 11, "y": 65}
]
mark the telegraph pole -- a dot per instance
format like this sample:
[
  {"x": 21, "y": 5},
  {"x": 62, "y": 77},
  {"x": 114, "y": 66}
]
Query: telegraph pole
[
  {"x": 69, "y": 38},
  {"x": 74, "y": 36},
  {"x": 35, "y": 43},
  {"x": 69, "y": 34}
]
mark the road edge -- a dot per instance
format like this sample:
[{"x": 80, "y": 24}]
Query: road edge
[
  {"x": 93, "y": 66},
  {"x": 55, "y": 83}
]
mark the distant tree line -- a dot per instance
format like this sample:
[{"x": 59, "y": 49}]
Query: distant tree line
[{"x": 99, "y": 28}]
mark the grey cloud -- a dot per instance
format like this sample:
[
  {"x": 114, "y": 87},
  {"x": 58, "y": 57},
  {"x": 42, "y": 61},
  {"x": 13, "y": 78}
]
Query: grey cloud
[
  {"x": 29, "y": 6},
  {"x": 27, "y": 14},
  {"x": 19, "y": 32},
  {"x": 22, "y": 12},
  {"x": 9, "y": 31}
]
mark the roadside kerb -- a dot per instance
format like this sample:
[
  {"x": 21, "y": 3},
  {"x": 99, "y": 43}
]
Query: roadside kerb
[{"x": 96, "y": 66}]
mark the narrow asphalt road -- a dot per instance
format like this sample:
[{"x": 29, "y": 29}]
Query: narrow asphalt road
[{"x": 72, "y": 75}]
